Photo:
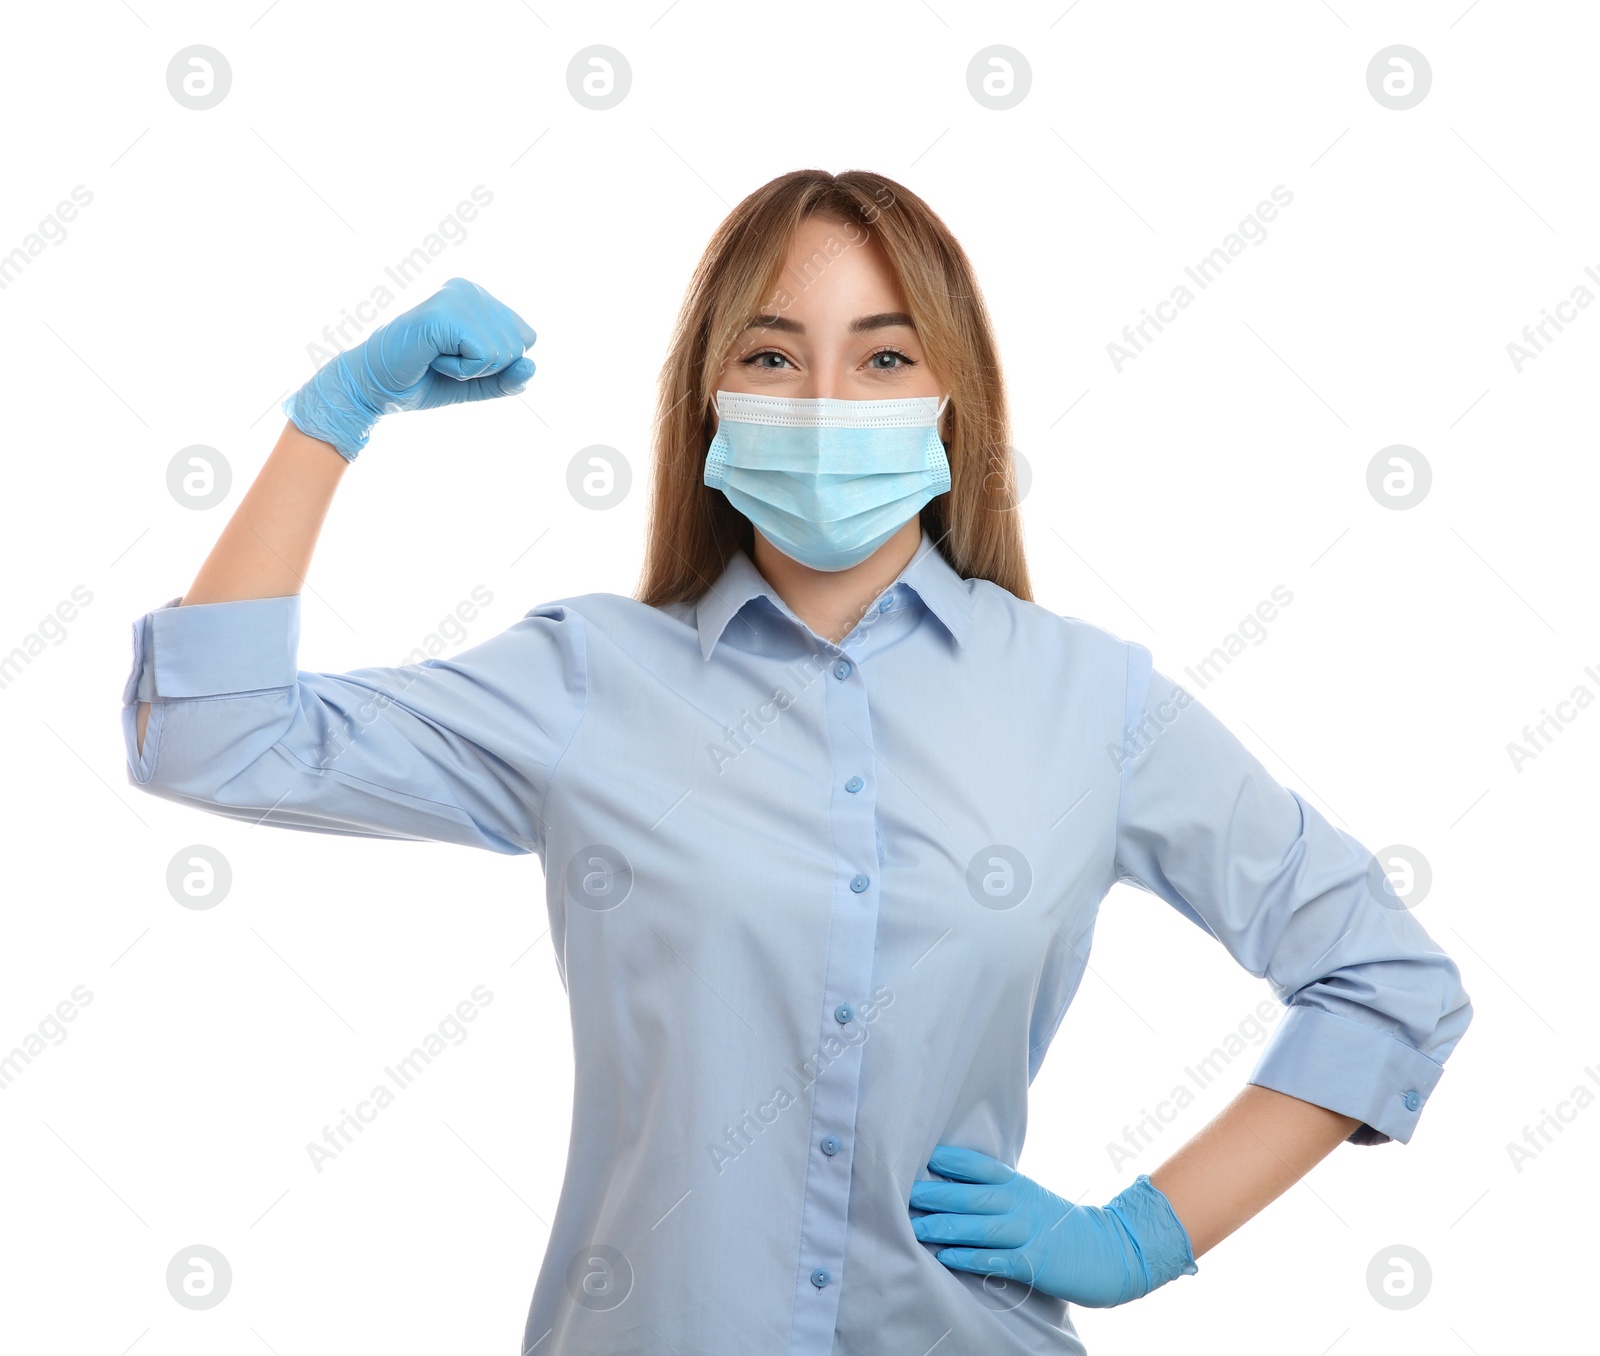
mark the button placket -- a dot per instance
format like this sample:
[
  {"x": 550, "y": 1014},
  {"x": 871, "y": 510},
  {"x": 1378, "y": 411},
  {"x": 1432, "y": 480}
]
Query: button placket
[{"x": 853, "y": 927}]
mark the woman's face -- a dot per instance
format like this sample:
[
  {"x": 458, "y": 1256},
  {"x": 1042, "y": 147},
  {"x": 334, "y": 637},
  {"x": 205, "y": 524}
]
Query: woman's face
[{"x": 835, "y": 324}]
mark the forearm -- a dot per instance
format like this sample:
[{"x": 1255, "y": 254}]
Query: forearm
[
  {"x": 265, "y": 550},
  {"x": 1260, "y": 1145}
]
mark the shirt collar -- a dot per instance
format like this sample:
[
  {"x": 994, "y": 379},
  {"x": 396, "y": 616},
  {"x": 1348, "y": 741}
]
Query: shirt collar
[{"x": 928, "y": 575}]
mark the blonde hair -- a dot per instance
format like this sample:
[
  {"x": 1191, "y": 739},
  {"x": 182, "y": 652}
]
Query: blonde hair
[{"x": 693, "y": 529}]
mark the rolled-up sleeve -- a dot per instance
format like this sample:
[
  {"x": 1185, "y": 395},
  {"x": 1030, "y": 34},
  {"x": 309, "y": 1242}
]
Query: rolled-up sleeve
[
  {"x": 1374, "y": 1006},
  {"x": 456, "y": 750}
]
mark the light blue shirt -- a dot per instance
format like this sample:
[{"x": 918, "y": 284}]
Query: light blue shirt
[{"x": 817, "y": 908}]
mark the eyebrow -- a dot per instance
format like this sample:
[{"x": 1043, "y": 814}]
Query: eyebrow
[{"x": 860, "y": 325}]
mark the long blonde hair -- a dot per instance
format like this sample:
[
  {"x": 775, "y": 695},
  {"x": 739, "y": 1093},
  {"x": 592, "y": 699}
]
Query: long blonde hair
[{"x": 693, "y": 529}]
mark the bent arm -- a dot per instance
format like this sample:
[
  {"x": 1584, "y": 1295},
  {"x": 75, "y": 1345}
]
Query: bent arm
[
  {"x": 1259, "y": 1145},
  {"x": 1373, "y": 1006},
  {"x": 265, "y": 550}
]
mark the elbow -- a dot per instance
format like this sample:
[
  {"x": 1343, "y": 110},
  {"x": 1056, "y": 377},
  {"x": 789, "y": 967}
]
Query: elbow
[
  {"x": 1451, "y": 1010},
  {"x": 1452, "y": 1026},
  {"x": 141, "y": 730},
  {"x": 203, "y": 751}
]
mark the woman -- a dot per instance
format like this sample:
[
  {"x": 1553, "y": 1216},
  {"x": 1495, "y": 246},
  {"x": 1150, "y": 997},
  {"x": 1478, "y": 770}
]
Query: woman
[{"x": 826, "y": 815}]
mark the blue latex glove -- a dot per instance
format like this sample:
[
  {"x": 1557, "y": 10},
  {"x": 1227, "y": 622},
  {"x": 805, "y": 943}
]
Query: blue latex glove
[
  {"x": 459, "y": 344},
  {"x": 1008, "y": 1225}
]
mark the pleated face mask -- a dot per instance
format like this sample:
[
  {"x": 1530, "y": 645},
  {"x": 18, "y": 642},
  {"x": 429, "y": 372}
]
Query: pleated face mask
[{"x": 827, "y": 481}]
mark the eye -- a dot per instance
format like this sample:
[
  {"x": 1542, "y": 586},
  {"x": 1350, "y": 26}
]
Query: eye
[
  {"x": 904, "y": 362},
  {"x": 754, "y": 359}
]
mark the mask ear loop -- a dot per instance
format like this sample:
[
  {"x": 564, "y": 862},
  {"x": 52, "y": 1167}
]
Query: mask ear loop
[{"x": 943, "y": 401}]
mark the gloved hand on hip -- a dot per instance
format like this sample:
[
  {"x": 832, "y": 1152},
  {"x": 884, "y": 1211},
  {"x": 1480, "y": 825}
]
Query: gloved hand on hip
[
  {"x": 1000, "y": 1223},
  {"x": 460, "y": 344}
]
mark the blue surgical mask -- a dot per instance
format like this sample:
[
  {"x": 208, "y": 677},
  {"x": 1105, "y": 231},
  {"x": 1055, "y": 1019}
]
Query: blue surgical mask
[{"x": 827, "y": 481}]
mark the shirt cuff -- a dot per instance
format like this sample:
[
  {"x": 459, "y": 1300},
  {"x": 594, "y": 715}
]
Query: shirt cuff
[
  {"x": 1352, "y": 1068},
  {"x": 211, "y": 649}
]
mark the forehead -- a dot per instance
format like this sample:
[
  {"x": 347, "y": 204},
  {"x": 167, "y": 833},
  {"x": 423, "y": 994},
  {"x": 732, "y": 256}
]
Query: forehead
[{"x": 834, "y": 271}]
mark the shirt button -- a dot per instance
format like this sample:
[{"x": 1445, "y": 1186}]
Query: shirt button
[
  {"x": 841, "y": 670},
  {"x": 843, "y": 1013},
  {"x": 820, "y": 1277},
  {"x": 854, "y": 785},
  {"x": 885, "y": 605},
  {"x": 859, "y": 883},
  {"x": 1412, "y": 1099},
  {"x": 830, "y": 1145}
]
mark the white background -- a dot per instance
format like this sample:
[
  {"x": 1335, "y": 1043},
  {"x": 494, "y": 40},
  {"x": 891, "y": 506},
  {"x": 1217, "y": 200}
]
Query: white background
[{"x": 1230, "y": 457}]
